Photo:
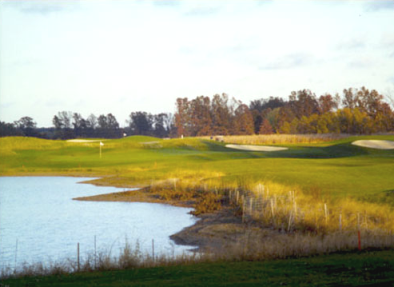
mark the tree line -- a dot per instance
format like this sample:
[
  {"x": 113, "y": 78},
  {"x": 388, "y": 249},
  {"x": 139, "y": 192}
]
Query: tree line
[
  {"x": 355, "y": 111},
  {"x": 69, "y": 125}
]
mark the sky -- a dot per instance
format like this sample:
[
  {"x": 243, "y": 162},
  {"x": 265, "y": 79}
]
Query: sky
[{"x": 122, "y": 56}]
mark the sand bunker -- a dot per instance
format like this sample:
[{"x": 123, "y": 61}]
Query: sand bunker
[
  {"x": 256, "y": 147},
  {"x": 82, "y": 141},
  {"x": 378, "y": 144}
]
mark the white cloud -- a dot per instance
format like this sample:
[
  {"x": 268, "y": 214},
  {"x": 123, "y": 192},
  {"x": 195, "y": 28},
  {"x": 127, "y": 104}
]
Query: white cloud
[
  {"x": 41, "y": 7},
  {"x": 123, "y": 56},
  {"x": 379, "y": 5}
]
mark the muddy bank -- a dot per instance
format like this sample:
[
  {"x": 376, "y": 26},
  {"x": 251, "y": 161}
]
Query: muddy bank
[
  {"x": 221, "y": 230},
  {"x": 140, "y": 195},
  {"x": 215, "y": 231}
]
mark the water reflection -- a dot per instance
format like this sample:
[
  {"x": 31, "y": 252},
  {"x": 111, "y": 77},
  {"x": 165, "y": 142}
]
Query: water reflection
[{"x": 39, "y": 221}]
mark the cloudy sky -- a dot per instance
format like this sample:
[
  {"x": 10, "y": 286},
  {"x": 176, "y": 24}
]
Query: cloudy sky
[{"x": 137, "y": 55}]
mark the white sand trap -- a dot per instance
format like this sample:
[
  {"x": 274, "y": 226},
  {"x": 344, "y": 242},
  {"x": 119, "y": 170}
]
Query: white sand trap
[
  {"x": 378, "y": 144},
  {"x": 256, "y": 147},
  {"x": 82, "y": 141}
]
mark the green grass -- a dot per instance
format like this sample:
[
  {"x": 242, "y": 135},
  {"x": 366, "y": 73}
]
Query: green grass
[
  {"x": 335, "y": 169},
  {"x": 346, "y": 269}
]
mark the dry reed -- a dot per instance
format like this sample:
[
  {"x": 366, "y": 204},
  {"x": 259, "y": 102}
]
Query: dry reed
[{"x": 283, "y": 139}]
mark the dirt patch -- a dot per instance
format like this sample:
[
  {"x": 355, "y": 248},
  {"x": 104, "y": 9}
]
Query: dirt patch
[
  {"x": 256, "y": 147},
  {"x": 376, "y": 144},
  {"x": 221, "y": 230}
]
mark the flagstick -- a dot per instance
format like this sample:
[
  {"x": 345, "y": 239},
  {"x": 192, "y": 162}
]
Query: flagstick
[{"x": 101, "y": 144}]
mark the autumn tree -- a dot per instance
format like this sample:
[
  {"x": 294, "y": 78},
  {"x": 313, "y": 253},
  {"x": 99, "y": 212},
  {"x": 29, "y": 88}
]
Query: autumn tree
[
  {"x": 265, "y": 128},
  {"x": 327, "y": 103},
  {"x": 221, "y": 115},
  {"x": 349, "y": 99},
  {"x": 200, "y": 116},
  {"x": 242, "y": 121},
  {"x": 182, "y": 117},
  {"x": 303, "y": 103}
]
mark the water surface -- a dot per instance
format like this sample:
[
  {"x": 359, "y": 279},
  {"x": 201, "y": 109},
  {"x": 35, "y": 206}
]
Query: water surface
[{"x": 39, "y": 221}]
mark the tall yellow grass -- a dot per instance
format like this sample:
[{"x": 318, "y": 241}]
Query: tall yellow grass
[
  {"x": 283, "y": 139},
  {"x": 283, "y": 208}
]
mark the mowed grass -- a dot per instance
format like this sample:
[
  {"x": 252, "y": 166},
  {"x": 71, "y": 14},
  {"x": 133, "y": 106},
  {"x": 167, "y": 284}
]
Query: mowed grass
[
  {"x": 346, "y": 269},
  {"x": 333, "y": 169}
]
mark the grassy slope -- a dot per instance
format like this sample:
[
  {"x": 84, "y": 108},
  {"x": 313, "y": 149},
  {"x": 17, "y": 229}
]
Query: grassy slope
[
  {"x": 336, "y": 168},
  {"x": 363, "y": 269}
]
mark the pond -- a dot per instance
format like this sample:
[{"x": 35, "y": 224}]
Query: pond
[{"x": 39, "y": 221}]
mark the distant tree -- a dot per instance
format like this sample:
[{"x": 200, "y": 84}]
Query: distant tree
[
  {"x": 257, "y": 120},
  {"x": 369, "y": 101},
  {"x": 285, "y": 128},
  {"x": 112, "y": 122},
  {"x": 265, "y": 128},
  {"x": 27, "y": 126},
  {"x": 260, "y": 109},
  {"x": 8, "y": 129},
  {"x": 305, "y": 125},
  {"x": 221, "y": 115},
  {"x": 242, "y": 121},
  {"x": 273, "y": 118},
  {"x": 80, "y": 125},
  {"x": 63, "y": 125},
  {"x": 327, "y": 103},
  {"x": 349, "y": 99},
  {"x": 169, "y": 123},
  {"x": 303, "y": 103},
  {"x": 92, "y": 121},
  {"x": 182, "y": 117},
  {"x": 286, "y": 115},
  {"x": 108, "y": 127},
  {"x": 141, "y": 123},
  {"x": 66, "y": 118},
  {"x": 91, "y": 125},
  {"x": 294, "y": 126},
  {"x": 58, "y": 123},
  {"x": 200, "y": 116},
  {"x": 159, "y": 129}
]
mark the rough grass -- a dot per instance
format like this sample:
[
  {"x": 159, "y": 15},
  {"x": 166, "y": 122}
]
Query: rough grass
[
  {"x": 373, "y": 268},
  {"x": 334, "y": 168},
  {"x": 283, "y": 139},
  {"x": 301, "y": 192}
]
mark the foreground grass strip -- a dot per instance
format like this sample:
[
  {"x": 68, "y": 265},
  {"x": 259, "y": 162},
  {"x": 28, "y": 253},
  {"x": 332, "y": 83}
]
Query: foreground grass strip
[{"x": 347, "y": 269}]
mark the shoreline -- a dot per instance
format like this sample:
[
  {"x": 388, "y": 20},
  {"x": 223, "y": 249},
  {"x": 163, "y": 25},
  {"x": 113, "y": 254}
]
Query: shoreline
[
  {"x": 212, "y": 232},
  {"x": 137, "y": 195}
]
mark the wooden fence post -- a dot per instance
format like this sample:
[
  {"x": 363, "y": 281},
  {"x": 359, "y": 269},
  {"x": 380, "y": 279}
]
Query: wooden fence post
[
  {"x": 340, "y": 222},
  {"x": 153, "y": 249},
  {"x": 78, "y": 263},
  {"x": 326, "y": 213}
]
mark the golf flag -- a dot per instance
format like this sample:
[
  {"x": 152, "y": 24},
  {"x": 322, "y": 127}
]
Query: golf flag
[{"x": 101, "y": 144}]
